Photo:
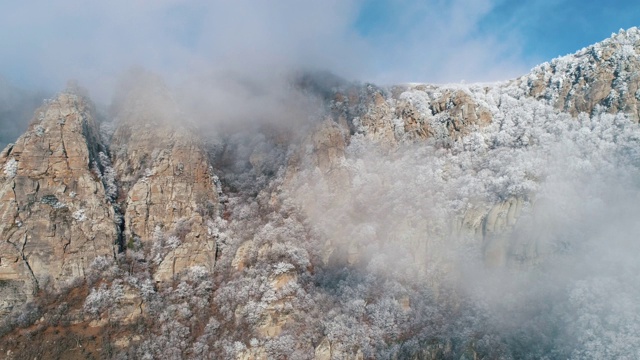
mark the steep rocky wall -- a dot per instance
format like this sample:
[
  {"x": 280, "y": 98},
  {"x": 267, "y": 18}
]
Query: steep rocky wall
[
  {"x": 55, "y": 216},
  {"x": 408, "y": 113},
  {"x": 168, "y": 189}
]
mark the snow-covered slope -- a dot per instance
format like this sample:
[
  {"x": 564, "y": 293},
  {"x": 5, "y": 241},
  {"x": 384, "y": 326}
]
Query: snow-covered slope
[{"x": 601, "y": 77}]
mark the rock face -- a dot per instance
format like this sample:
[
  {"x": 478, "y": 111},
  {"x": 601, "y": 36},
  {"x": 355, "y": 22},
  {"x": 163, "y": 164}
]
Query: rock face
[
  {"x": 406, "y": 114},
  {"x": 55, "y": 215},
  {"x": 59, "y": 194},
  {"x": 168, "y": 188},
  {"x": 500, "y": 217}
]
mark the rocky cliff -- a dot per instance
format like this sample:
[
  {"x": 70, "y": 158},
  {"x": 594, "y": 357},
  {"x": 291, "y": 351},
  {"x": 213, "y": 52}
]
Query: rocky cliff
[
  {"x": 168, "y": 190},
  {"x": 364, "y": 232},
  {"x": 56, "y": 216}
]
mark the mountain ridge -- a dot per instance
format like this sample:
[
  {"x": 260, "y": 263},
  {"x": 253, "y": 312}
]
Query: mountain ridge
[{"x": 354, "y": 235}]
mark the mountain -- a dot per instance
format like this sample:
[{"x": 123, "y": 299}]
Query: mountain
[{"x": 415, "y": 221}]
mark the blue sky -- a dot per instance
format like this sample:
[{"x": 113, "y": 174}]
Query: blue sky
[
  {"x": 547, "y": 28},
  {"x": 532, "y": 31},
  {"x": 552, "y": 28},
  {"x": 45, "y": 42}
]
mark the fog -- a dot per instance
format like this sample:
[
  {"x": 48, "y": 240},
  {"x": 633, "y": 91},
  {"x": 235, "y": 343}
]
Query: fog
[
  {"x": 563, "y": 282},
  {"x": 181, "y": 40},
  {"x": 16, "y": 110},
  {"x": 95, "y": 42},
  {"x": 235, "y": 62}
]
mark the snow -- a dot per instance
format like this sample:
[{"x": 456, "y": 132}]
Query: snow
[{"x": 11, "y": 168}]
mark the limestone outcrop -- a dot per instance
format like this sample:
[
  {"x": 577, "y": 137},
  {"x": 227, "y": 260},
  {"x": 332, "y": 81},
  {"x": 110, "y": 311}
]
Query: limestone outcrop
[
  {"x": 408, "y": 113},
  {"x": 55, "y": 215},
  {"x": 168, "y": 189}
]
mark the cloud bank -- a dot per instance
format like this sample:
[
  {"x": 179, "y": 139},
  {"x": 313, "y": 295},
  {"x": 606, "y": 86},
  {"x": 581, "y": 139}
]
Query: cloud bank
[
  {"x": 92, "y": 42},
  {"x": 95, "y": 41}
]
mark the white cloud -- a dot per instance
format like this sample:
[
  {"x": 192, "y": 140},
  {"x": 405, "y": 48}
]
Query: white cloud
[
  {"x": 442, "y": 42},
  {"x": 93, "y": 41}
]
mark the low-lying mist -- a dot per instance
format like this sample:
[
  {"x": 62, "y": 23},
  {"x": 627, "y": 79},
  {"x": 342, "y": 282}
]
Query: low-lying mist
[
  {"x": 516, "y": 241},
  {"x": 535, "y": 240}
]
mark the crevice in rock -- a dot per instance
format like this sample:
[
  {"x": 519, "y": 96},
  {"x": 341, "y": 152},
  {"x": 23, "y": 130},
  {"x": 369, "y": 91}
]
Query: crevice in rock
[
  {"x": 20, "y": 251},
  {"x": 13, "y": 189},
  {"x": 9, "y": 149},
  {"x": 120, "y": 223}
]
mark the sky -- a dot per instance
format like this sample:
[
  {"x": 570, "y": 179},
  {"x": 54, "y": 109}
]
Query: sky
[{"x": 47, "y": 42}]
